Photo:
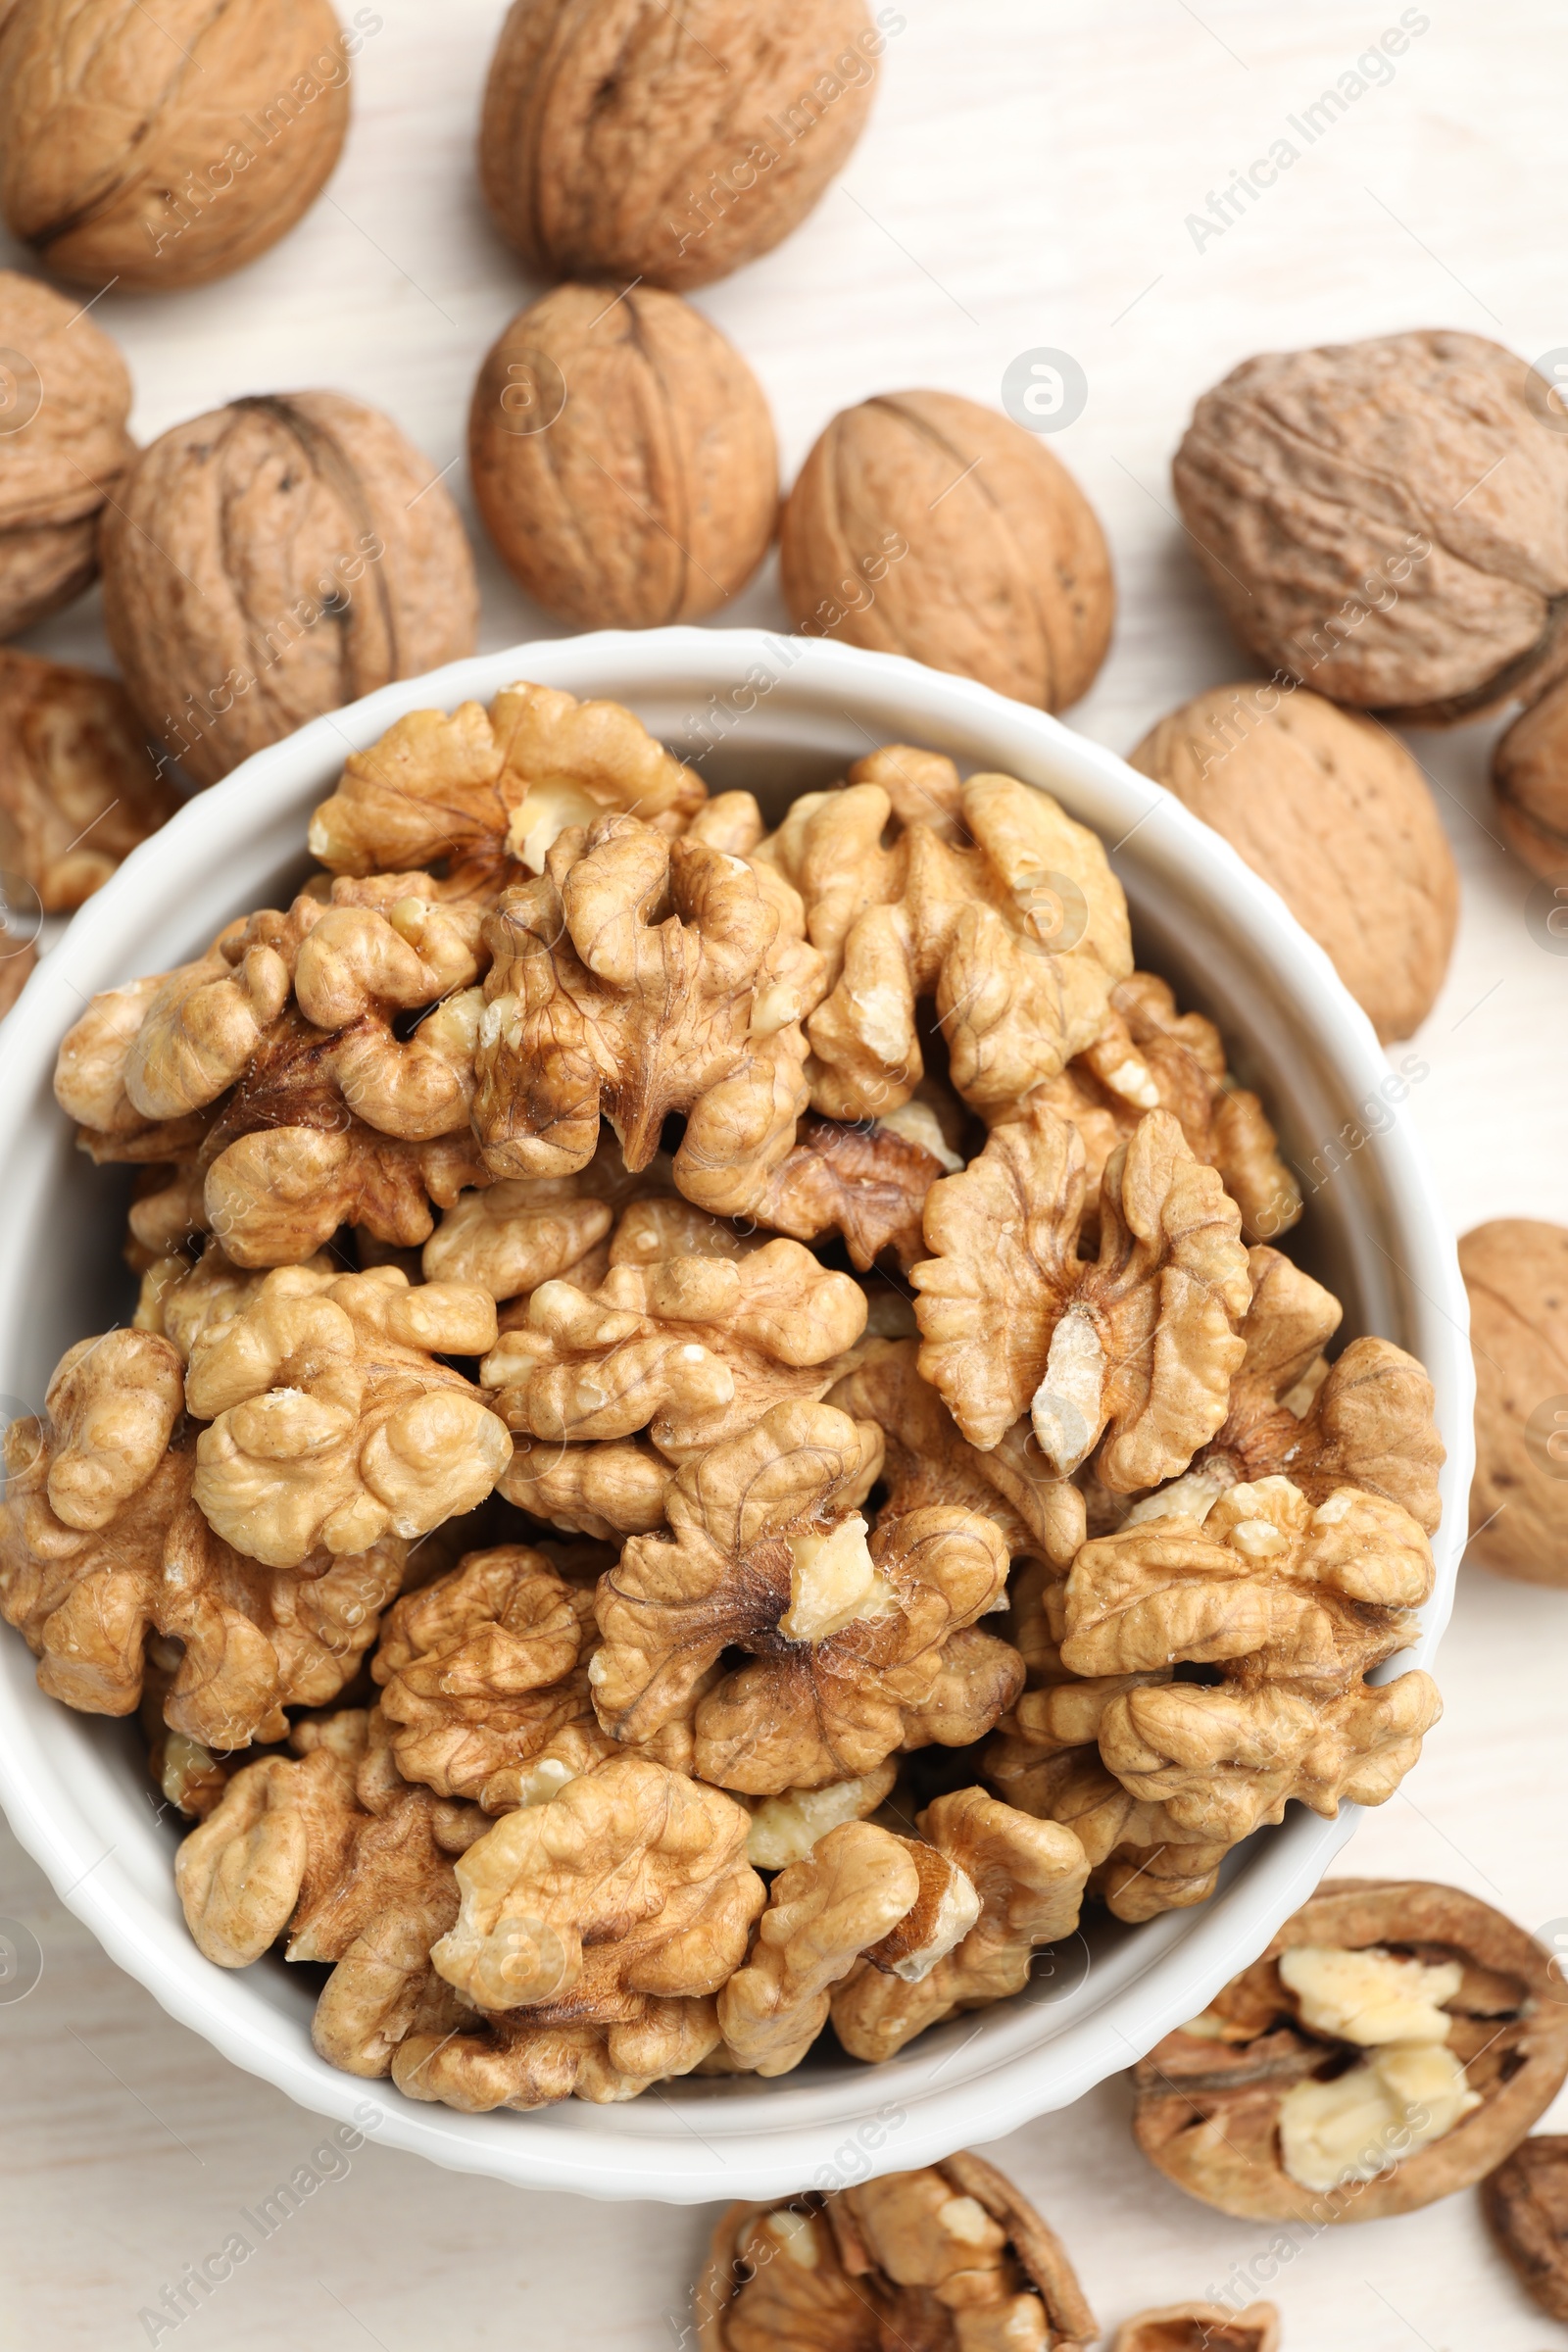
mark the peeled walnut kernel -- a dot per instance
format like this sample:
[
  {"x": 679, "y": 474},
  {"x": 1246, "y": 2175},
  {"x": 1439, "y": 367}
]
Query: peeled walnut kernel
[
  {"x": 622, "y": 144},
  {"x": 923, "y": 523},
  {"x": 332, "y": 561},
  {"x": 64, "y": 396},
  {"x": 1516, "y": 1272},
  {"x": 1387, "y": 521},
  {"x": 1334, "y": 813},
  {"x": 77, "y": 790},
  {"x": 121, "y": 163},
  {"x": 623, "y": 458}
]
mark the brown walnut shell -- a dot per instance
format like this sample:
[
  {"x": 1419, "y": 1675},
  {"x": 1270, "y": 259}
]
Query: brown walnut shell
[
  {"x": 77, "y": 789},
  {"x": 1205, "y": 2111},
  {"x": 623, "y": 457},
  {"x": 273, "y": 560},
  {"x": 163, "y": 150},
  {"x": 1202, "y": 2327},
  {"x": 1516, "y": 1271},
  {"x": 1526, "y": 2201},
  {"x": 628, "y": 141},
  {"x": 1334, "y": 813},
  {"x": 1529, "y": 777},
  {"x": 925, "y": 524},
  {"x": 65, "y": 395},
  {"x": 1387, "y": 521}
]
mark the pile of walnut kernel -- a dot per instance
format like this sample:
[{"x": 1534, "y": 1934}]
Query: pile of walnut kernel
[{"x": 712, "y": 1437}]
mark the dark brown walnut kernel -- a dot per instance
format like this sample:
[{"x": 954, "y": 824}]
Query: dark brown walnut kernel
[
  {"x": 1387, "y": 521},
  {"x": 1210, "y": 2106},
  {"x": 67, "y": 394},
  {"x": 1526, "y": 2201},
  {"x": 950, "y": 2259},
  {"x": 137, "y": 156},
  {"x": 623, "y": 458},
  {"x": 622, "y": 142},
  {"x": 77, "y": 788},
  {"x": 329, "y": 559},
  {"x": 1516, "y": 1272}
]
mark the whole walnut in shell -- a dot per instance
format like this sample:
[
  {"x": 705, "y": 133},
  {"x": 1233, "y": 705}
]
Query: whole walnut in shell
[
  {"x": 623, "y": 140},
  {"x": 77, "y": 790},
  {"x": 64, "y": 401},
  {"x": 925, "y": 524},
  {"x": 273, "y": 560},
  {"x": 1529, "y": 777},
  {"x": 1335, "y": 814},
  {"x": 1387, "y": 519},
  {"x": 623, "y": 457},
  {"x": 166, "y": 151},
  {"x": 1516, "y": 1271}
]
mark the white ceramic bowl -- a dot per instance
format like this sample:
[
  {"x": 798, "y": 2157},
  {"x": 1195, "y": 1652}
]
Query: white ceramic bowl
[{"x": 781, "y": 715}]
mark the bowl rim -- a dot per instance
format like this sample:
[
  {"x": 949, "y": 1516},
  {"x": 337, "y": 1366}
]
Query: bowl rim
[{"x": 779, "y": 2140}]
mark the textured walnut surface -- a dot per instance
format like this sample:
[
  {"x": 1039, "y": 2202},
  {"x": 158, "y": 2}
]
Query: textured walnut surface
[
  {"x": 1207, "y": 2103},
  {"x": 1387, "y": 521},
  {"x": 66, "y": 452},
  {"x": 77, "y": 789},
  {"x": 1516, "y": 1272},
  {"x": 1526, "y": 2201},
  {"x": 105, "y": 112},
  {"x": 1529, "y": 777},
  {"x": 603, "y": 130},
  {"x": 1335, "y": 814}
]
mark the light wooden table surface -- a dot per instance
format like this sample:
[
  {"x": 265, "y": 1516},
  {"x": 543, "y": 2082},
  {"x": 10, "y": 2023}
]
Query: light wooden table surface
[{"x": 1025, "y": 181}]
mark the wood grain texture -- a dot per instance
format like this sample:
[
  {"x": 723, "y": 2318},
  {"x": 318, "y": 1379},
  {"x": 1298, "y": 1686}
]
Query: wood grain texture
[{"x": 1024, "y": 183}]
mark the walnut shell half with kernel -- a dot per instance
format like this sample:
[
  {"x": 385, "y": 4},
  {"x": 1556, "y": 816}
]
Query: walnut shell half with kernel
[
  {"x": 276, "y": 559},
  {"x": 65, "y": 395},
  {"x": 623, "y": 458},
  {"x": 1516, "y": 1272},
  {"x": 165, "y": 151},
  {"x": 628, "y": 141},
  {"x": 1387, "y": 521},
  {"x": 1334, "y": 813},
  {"x": 925, "y": 524}
]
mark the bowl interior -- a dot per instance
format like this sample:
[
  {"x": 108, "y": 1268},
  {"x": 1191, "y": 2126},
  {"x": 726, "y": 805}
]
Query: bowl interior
[{"x": 779, "y": 716}]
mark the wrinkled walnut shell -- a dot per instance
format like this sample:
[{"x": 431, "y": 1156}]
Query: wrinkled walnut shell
[
  {"x": 1205, "y": 2111},
  {"x": 623, "y": 458},
  {"x": 625, "y": 143},
  {"x": 122, "y": 163},
  {"x": 925, "y": 524},
  {"x": 1387, "y": 521},
  {"x": 1516, "y": 1271},
  {"x": 1526, "y": 2201},
  {"x": 64, "y": 401},
  {"x": 329, "y": 562},
  {"x": 77, "y": 790},
  {"x": 1529, "y": 777},
  {"x": 1335, "y": 814}
]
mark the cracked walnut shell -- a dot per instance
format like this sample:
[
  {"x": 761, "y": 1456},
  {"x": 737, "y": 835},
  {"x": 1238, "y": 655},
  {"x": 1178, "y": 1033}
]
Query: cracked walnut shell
[
  {"x": 952, "y": 2259},
  {"x": 1523, "y": 2200},
  {"x": 623, "y": 458},
  {"x": 77, "y": 789},
  {"x": 600, "y": 128},
  {"x": 122, "y": 165},
  {"x": 769, "y": 1556},
  {"x": 1388, "y": 519},
  {"x": 332, "y": 561},
  {"x": 332, "y": 1421},
  {"x": 1336, "y": 816},
  {"x": 1139, "y": 1345},
  {"x": 1516, "y": 1272},
  {"x": 66, "y": 396},
  {"x": 1017, "y": 931},
  {"x": 1209, "y": 2097},
  {"x": 1202, "y": 2327},
  {"x": 694, "y": 1349},
  {"x": 925, "y": 524},
  {"x": 634, "y": 978},
  {"x": 1529, "y": 782}
]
